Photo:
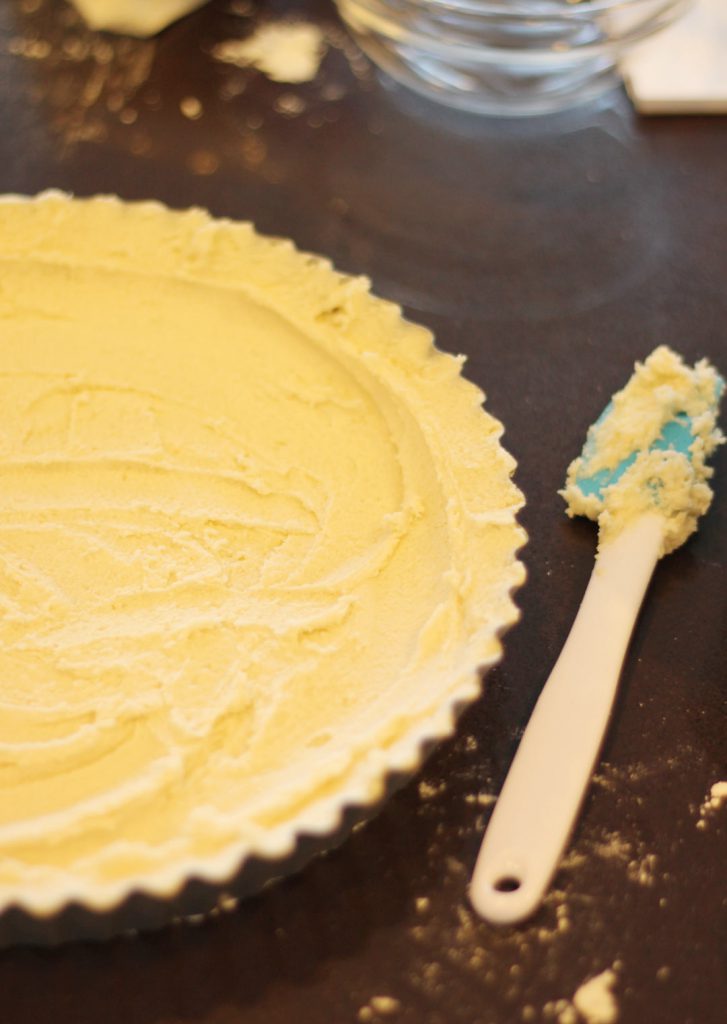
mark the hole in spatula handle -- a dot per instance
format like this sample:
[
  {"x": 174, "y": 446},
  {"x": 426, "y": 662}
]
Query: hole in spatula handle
[{"x": 507, "y": 883}]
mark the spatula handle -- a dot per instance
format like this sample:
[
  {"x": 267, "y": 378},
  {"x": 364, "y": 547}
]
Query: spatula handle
[{"x": 543, "y": 792}]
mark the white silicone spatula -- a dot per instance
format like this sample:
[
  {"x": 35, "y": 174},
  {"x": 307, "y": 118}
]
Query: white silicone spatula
[{"x": 538, "y": 805}]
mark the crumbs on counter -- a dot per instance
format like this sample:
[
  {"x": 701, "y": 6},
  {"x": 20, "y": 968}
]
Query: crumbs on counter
[
  {"x": 85, "y": 79},
  {"x": 712, "y": 803},
  {"x": 31, "y": 49},
  {"x": 612, "y": 777},
  {"x": 99, "y": 88},
  {"x": 451, "y": 937},
  {"x": 469, "y": 945},
  {"x": 593, "y": 1002},
  {"x": 611, "y": 846},
  {"x": 562, "y": 923},
  {"x": 227, "y": 903},
  {"x": 429, "y": 790},
  {"x": 560, "y": 1010},
  {"x": 483, "y": 799},
  {"x": 643, "y": 869}
]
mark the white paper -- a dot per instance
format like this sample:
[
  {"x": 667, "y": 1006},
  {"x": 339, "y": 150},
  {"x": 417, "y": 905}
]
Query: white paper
[{"x": 682, "y": 70}]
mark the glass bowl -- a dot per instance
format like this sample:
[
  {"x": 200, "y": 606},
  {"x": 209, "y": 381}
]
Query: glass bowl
[{"x": 505, "y": 57}]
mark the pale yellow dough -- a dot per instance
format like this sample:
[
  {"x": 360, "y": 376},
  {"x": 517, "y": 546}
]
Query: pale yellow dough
[
  {"x": 660, "y": 388},
  {"x": 256, "y": 535},
  {"x": 134, "y": 17}
]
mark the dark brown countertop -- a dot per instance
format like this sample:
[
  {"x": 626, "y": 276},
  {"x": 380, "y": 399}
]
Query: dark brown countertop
[{"x": 553, "y": 253}]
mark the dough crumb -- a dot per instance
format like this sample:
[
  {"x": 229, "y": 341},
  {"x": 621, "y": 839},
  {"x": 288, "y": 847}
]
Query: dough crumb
[
  {"x": 191, "y": 107},
  {"x": 202, "y": 162},
  {"x": 567, "y": 1015},
  {"x": 712, "y": 803},
  {"x": 385, "y": 1004},
  {"x": 284, "y": 51},
  {"x": 289, "y": 104},
  {"x": 561, "y": 1011},
  {"x": 135, "y": 19},
  {"x": 485, "y": 799},
  {"x": 427, "y": 791},
  {"x": 595, "y": 1001},
  {"x": 613, "y": 847},
  {"x": 227, "y": 902},
  {"x": 643, "y": 871}
]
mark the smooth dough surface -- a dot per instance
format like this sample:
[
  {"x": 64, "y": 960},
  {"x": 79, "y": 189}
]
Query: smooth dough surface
[{"x": 256, "y": 535}]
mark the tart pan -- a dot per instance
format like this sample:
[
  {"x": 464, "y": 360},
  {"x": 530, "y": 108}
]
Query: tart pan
[{"x": 131, "y": 257}]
